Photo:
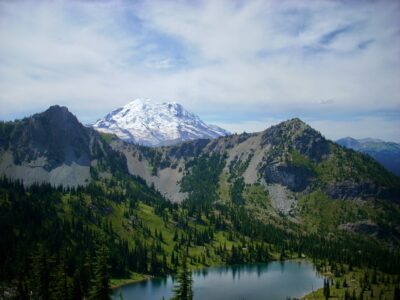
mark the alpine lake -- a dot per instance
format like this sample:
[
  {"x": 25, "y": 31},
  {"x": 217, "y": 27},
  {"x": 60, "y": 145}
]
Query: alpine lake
[{"x": 271, "y": 281}]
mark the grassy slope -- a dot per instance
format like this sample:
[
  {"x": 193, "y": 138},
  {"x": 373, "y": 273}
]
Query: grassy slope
[
  {"x": 319, "y": 213},
  {"x": 357, "y": 280}
]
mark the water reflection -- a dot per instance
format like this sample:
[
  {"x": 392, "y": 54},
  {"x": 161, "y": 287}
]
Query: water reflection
[{"x": 278, "y": 280}]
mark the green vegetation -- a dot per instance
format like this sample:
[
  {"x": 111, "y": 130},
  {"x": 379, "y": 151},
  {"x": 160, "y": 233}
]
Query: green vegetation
[
  {"x": 7, "y": 132},
  {"x": 184, "y": 288},
  {"x": 107, "y": 137},
  {"x": 74, "y": 243},
  {"x": 345, "y": 283},
  {"x": 142, "y": 233},
  {"x": 320, "y": 213},
  {"x": 344, "y": 164},
  {"x": 201, "y": 181},
  {"x": 100, "y": 285}
]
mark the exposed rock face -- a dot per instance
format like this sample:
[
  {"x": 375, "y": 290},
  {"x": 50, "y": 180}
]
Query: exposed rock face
[
  {"x": 53, "y": 147},
  {"x": 55, "y": 134},
  {"x": 365, "y": 190},
  {"x": 347, "y": 189},
  {"x": 374, "y": 230},
  {"x": 282, "y": 199},
  {"x": 290, "y": 154},
  {"x": 72, "y": 174},
  {"x": 296, "y": 179},
  {"x": 166, "y": 179}
]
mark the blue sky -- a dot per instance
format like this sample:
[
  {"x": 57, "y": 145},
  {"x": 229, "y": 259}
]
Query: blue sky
[{"x": 243, "y": 65}]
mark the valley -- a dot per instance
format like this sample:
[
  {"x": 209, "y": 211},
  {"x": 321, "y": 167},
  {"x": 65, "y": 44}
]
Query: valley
[{"x": 120, "y": 212}]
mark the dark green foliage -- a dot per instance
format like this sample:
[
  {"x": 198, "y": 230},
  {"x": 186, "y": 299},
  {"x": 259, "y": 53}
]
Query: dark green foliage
[
  {"x": 33, "y": 220},
  {"x": 184, "y": 288},
  {"x": 396, "y": 295},
  {"x": 236, "y": 191},
  {"x": 7, "y": 131},
  {"x": 50, "y": 244},
  {"x": 100, "y": 289},
  {"x": 327, "y": 290},
  {"x": 317, "y": 163},
  {"x": 61, "y": 281},
  {"x": 66, "y": 257},
  {"x": 42, "y": 264},
  {"x": 76, "y": 286},
  {"x": 201, "y": 181}
]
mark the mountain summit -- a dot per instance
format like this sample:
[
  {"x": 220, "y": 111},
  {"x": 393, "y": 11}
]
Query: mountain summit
[
  {"x": 154, "y": 124},
  {"x": 54, "y": 147}
]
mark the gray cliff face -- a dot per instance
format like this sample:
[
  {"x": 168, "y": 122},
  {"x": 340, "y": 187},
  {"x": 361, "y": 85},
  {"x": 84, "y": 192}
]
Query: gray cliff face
[
  {"x": 55, "y": 134},
  {"x": 291, "y": 155},
  {"x": 52, "y": 146},
  {"x": 296, "y": 179},
  {"x": 365, "y": 190}
]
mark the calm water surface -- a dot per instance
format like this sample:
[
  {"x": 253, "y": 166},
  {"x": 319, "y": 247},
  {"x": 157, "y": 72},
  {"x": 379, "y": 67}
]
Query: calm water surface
[{"x": 272, "y": 281}]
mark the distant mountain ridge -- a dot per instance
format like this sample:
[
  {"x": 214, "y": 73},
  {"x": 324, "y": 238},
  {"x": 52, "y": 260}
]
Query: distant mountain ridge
[
  {"x": 55, "y": 147},
  {"x": 285, "y": 192},
  {"x": 290, "y": 167},
  {"x": 387, "y": 153},
  {"x": 155, "y": 124}
]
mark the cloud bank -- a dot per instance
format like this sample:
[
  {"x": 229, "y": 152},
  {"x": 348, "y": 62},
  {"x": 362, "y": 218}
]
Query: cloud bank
[{"x": 241, "y": 64}]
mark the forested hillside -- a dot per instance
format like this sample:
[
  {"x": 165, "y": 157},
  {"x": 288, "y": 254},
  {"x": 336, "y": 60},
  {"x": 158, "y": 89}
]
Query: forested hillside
[
  {"x": 283, "y": 193},
  {"x": 54, "y": 239}
]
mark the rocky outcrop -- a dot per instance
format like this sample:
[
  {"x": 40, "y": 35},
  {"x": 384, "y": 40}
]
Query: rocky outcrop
[
  {"x": 373, "y": 230},
  {"x": 364, "y": 190},
  {"x": 290, "y": 154},
  {"x": 54, "y": 147},
  {"x": 55, "y": 134},
  {"x": 296, "y": 179},
  {"x": 295, "y": 134}
]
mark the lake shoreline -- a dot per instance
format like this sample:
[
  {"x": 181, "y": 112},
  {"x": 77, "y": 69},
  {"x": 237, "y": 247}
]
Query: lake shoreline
[
  {"x": 128, "y": 281},
  {"x": 151, "y": 289},
  {"x": 131, "y": 281}
]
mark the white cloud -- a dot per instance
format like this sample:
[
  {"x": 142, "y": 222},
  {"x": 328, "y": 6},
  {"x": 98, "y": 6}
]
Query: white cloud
[{"x": 241, "y": 62}]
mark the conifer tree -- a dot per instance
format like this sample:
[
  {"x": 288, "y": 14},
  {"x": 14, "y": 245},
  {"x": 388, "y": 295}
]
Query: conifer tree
[
  {"x": 76, "y": 286},
  {"x": 40, "y": 283},
  {"x": 184, "y": 290},
  {"x": 396, "y": 295},
  {"x": 101, "y": 282},
  {"x": 60, "y": 288}
]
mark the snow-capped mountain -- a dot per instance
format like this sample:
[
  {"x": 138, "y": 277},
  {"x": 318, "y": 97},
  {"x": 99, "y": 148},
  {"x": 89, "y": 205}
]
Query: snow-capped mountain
[{"x": 153, "y": 124}]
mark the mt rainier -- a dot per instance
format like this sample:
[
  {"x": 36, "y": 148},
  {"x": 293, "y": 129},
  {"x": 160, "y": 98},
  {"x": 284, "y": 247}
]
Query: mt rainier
[{"x": 154, "y": 124}]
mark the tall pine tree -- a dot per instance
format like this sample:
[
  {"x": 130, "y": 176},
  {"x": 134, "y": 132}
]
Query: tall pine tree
[
  {"x": 184, "y": 288},
  {"x": 101, "y": 289}
]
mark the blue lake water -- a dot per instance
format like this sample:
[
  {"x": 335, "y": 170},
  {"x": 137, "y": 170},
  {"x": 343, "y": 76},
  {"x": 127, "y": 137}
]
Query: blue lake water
[{"x": 272, "y": 281}]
